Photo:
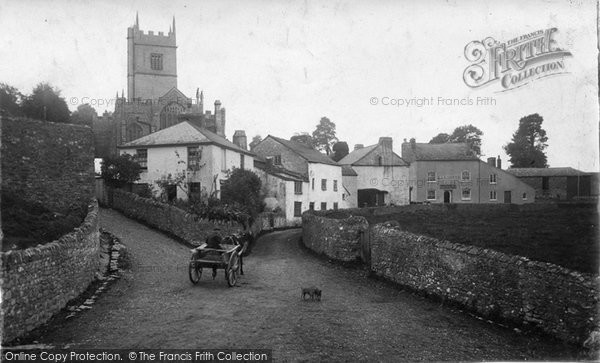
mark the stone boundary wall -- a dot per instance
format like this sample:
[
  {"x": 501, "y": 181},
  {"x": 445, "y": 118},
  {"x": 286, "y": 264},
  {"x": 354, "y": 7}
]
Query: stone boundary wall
[
  {"x": 506, "y": 288},
  {"x": 47, "y": 163},
  {"x": 39, "y": 281},
  {"x": 339, "y": 239},
  {"x": 168, "y": 218}
]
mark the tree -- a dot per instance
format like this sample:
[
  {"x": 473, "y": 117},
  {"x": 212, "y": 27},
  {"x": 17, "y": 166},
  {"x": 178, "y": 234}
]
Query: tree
[
  {"x": 324, "y": 135},
  {"x": 468, "y": 134},
  {"x": 243, "y": 188},
  {"x": 10, "y": 99},
  {"x": 340, "y": 149},
  {"x": 528, "y": 143},
  {"x": 84, "y": 115},
  {"x": 304, "y": 138},
  {"x": 255, "y": 141},
  {"x": 119, "y": 171},
  {"x": 45, "y": 103}
]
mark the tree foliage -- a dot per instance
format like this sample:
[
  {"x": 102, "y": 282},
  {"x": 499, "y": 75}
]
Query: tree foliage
[
  {"x": 45, "y": 103},
  {"x": 468, "y": 134},
  {"x": 10, "y": 100},
  {"x": 324, "y": 135},
  {"x": 526, "y": 150},
  {"x": 255, "y": 141},
  {"x": 304, "y": 138},
  {"x": 120, "y": 170},
  {"x": 243, "y": 188},
  {"x": 84, "y": 115},
  {"x": 340, "y": 149}
]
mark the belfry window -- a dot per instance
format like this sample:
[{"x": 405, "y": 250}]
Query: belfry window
[{"x": 156, "y": 61}]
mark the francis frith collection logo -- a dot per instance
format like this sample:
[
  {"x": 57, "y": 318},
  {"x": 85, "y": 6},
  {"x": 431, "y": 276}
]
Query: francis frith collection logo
[{"x": 516, "y": 62}]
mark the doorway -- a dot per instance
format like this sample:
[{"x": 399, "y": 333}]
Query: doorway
[
  {"x": 448, "y": 196},
  {"x": 507, "y": 197}
]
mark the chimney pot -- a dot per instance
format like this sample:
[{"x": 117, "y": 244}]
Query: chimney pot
[{"x": 499, "y": 163}]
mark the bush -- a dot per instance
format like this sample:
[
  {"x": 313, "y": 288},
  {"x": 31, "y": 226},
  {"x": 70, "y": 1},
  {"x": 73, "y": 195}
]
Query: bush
[{"x": 242, "y": 190}]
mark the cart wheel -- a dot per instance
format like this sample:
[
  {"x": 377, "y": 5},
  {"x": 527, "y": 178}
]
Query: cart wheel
[
  {"x": 195, "y": 272},
  {"x": 230, "y": 274}
]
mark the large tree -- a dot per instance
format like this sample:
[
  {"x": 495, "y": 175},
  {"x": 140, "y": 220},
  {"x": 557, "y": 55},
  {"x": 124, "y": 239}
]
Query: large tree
[
  {"x": 324, "y": 135},
  {"x": 45, "y": 103},
  {"x": 468, "y": 134},
  {"x": 340, "y": 149},
  {"x": 84, "y": 115},
  {"x": 120, "y": 170},
  {"x": 243, "y": 187},
  {"x": 10, "y": 100},
  {"x": 526, "y": 150},
  {"x": 255, "y": 141}
]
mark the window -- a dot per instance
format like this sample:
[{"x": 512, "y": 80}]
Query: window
[
  {"x": 323, "y": 205},
  {"x": 343, "y": 196},
  {"x": 323, "y": 184},
  {"x": 466, "y": 194},
  {"x": 297, "y": 187},
  {"x": 431, "y": 176},
  {"x": 379, "y": 160},
  {"x": 311, "y": 205},
  {"x": 223, "y": 160},
  {"x": 156, "y": 61},
  {"x": 335, "y": 206},
  {"x": 313, "y": 183},
  {"x": 193, "y": 158},
  {"x": 492, "y": 178},
  {"x": 142, "y": 158},
  {"x": 465, "y": 176},
  {"x": 297, "y": 209},
  {"x": 277, "y": 160},
  {"x": 493, "y": 195},
  {"x": 545, "y": 182},
  {"x": 335, "y": 186},
  {"x": 524, "y": 196},
  {"x": 431, "y": 194},
  {"x": 194, "y": 189},
  {"x": 242, "y": 161}
]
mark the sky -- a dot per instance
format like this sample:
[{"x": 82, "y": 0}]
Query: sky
[{"x": 278, "y": 67}]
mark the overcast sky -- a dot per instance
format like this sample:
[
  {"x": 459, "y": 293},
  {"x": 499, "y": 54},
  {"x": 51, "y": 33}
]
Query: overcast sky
[{"x": 278, "y": 67}]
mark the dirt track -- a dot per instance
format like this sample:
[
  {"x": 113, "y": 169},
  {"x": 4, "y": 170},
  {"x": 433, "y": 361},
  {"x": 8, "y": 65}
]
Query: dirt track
[{"x": 155, "y": 306}]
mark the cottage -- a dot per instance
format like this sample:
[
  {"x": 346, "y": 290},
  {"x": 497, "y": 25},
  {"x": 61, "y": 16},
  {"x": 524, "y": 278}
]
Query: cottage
[
  {"x": 451, "y": 173},
  {"x": 558, "y": 183},
  {"x": 320, "y": 177},
  {"x": 197, "y": 157},
  {"x": 382, "y": 175}
]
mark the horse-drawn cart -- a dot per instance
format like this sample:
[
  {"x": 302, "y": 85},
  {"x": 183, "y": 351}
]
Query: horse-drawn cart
[{"x": 228, "y": 257}]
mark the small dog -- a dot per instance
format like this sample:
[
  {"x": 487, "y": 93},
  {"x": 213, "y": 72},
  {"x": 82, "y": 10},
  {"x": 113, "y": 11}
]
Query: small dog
[{"x": 313, "y": 293}]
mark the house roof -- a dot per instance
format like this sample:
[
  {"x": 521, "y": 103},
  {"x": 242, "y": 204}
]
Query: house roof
[
  {"x": 279, "y": 172},
  {"x": 348, "y": 171},
  {"x": 437, "y": 152},
  {"x": 310, "y": 154},
  {"x": 540, "y": 172},
  {"x": 184, "y": 133},
  {"x": 362, "y": 157}
]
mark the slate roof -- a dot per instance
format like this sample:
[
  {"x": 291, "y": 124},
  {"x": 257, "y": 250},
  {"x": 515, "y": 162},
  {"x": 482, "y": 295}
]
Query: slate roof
[
  {"x": 280, "y": 173},
  {"x": 437, "y": 152},
  {"x": 184, "y": 133},
  {"x": 359, "y": 157},
  {"x": 348, "y": 171},
  {"x": 311, "y": 155},
  {"x": 541, "y": 172}
]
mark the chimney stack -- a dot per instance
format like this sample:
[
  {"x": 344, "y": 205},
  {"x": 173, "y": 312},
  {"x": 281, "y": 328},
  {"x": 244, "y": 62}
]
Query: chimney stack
[
  {"x": 413, "y": 143},
  {"x": 358, "y": 146},
  {"x": 499, "y": 165},
  {"x": 491, "y": 161},
  {"x": 239, "y": 138},
  {"x": 386, "y": 150}
]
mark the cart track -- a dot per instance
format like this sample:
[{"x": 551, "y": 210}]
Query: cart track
[{"x": 154, "y": 305}]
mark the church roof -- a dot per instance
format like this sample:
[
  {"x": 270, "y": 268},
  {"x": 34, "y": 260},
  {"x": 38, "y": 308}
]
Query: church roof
[{"x": 184, "y": 133}]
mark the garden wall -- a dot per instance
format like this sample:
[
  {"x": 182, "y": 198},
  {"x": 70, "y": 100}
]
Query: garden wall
[
  {"x": 39, "y": 281},
  {"x": 168, "y": 218},
  {"x": 47, "y": 163},
  {"x": 559, "y": 301}
]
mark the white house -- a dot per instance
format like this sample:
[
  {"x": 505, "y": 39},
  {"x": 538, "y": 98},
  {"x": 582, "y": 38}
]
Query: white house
[
  {"x": 383, "y": 176},
  {"x": 320, "y": 183},
  {"x": 190, "y": 153}
]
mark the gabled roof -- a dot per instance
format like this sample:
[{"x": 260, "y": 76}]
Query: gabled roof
[
  {"x": 348, "y": 171},
  {"x": 278, "y": 172},
  {"x": 437, "y": 152},
  {"x": 367, "y": 156},
  {"x": 174, "y": 95},
  {"x": 540, "y": 172},
  {"x": 184, "y": 133},
  {"x": 307, "y": 153}
]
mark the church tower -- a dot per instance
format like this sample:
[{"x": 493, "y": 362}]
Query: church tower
[{"x": 151, "y": 62}]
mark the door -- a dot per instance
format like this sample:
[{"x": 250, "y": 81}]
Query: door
[
  {"x": 448, "y": 196},
  {"x": 507, "y": 197}
]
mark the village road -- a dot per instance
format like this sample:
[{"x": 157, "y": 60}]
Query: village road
[{"x": 154, "y": 305}]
